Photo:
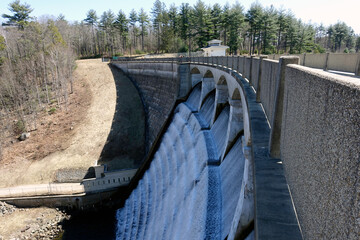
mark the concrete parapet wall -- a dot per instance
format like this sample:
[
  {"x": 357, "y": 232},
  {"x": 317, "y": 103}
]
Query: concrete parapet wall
[
  {"x": 268, "y": 84},
  {"x": 320, "y": 149},
  {"x": 255, "y": 72},
  {"x": 345, "y": 62},
  {"x": 314, "y": 60},
  {"x": 247, "y": 68}
]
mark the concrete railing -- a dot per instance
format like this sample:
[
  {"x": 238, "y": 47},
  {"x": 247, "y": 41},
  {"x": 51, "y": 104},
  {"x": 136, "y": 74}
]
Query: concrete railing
[{"x": 345, "y": 62}]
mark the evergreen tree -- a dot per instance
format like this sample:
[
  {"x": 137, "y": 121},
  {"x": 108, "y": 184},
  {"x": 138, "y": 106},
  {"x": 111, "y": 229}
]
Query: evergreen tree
[
  {"x": 268, "y": 30},
  {"x": 185, "y": 25},
  {"x": 357, "y": 45},
  {"x": 225, "y": 22},
  {"x": 91, "y": 19},
  {"x": 237, "y": 19},
  {"x": 144, "y": 21},
  {"x": 121, "y": 24},
  {"x": 254, "y": 17},
  {"x": 202, "y": 23},
  {"x": 216, "y": 13},
  {"x": 21, "y": 14},
  {"x": 107, "y": 20},
  {"x": 157, "y": 17},
  {"x": 133, "y": 18}
]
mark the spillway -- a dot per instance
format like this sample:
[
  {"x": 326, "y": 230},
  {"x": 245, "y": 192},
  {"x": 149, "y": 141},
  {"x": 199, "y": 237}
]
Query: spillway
[{"x": 187, "y": 192}]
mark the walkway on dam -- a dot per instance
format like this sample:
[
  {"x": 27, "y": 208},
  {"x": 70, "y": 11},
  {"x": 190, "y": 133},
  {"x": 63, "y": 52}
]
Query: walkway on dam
[{"x": 33, "y": 195}]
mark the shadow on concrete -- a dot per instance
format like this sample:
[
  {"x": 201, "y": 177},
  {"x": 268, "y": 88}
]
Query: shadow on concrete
[{"x": 125, "y": 145}]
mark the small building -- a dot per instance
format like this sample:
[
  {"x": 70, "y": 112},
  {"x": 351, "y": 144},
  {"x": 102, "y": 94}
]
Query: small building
[{"x": 215, "y": 48}]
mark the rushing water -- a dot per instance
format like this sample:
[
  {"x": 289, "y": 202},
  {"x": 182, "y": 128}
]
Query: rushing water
[{"x": 181, "y": 196}]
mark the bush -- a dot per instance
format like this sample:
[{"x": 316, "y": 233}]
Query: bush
[
  {"x": 52, "y": 110},
  {"x": 19, "y": 127},
  {"x": 183, "y": 49},
  {"x": 138, "y": 51}
]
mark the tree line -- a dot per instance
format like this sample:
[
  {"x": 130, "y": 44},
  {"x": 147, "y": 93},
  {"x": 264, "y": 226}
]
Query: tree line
[
  {"x": 259, "y": 30},
  {"x": 36, "y": 66}
]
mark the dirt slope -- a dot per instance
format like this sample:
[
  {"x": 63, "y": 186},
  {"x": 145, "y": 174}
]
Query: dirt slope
[{"x": 67, "y": 139}]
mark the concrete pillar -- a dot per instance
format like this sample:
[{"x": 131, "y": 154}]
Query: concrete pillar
[
  {"x": 208, "y": 84},
  {"x": 357, "y": 69},
  {"x": 184, "y": 79},
  {"x": 276, "y": 121},
  {"x": 99, "y": 170},
  {"x": 195, "y": 78},
  {"x": 326, "y": 62},
  {"x": 244, "y": 65},
  {"x": 251, "y": 66},
  {"x": 221, "y": 97},
  {"x": 235, "y": 124},
  {"x": 258, "y": 89}
]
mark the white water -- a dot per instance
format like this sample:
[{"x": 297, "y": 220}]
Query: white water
[{"x": 181, "y": 196}]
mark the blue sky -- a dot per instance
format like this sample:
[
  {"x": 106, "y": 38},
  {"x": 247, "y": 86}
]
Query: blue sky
[{"x": 317, "y": 11}]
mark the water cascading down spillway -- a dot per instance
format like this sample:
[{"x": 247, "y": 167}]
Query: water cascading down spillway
[{"x": 191, "y": 190}]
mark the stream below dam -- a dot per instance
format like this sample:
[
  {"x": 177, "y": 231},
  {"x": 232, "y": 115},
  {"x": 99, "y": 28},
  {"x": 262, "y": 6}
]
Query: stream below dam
[{"x": 90, "y": 226}]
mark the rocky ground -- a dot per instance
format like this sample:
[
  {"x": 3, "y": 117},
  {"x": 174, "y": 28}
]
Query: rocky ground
[{"x": 30, "y": 223}]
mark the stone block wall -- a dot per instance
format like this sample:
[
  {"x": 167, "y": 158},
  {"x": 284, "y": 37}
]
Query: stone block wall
[
  {"x": 320, "y": 150},
  {"x": 158, "y": 85}
]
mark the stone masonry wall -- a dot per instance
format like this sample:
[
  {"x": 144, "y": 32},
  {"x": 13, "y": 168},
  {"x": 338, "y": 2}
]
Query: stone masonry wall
[{"x": 158, "y": 85}]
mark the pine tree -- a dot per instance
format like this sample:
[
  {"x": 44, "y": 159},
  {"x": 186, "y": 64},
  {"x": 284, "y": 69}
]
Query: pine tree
[
  {"x": 144, "y": 21},
  {"x": 237, "y": 19},
  {"x": 133, "y": 18},
  {"x": 21, "y": 14},
  {"x": 121, "y": 24},
  {"x": 91, "y": 19}
]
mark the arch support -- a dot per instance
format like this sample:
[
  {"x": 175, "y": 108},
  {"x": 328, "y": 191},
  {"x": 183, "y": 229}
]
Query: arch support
[
  {"x": 221, "y": 97},
  {"x": 208, "y": 85},
  {"x": 235, "y": 124}
]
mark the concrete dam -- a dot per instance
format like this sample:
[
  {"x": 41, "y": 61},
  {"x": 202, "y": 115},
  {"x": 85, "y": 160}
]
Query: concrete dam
[{"x": 244, "y": 148}]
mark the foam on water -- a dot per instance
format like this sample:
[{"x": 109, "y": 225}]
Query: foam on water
[
  {"x": 194, "y": 99},
  {"x": 207, "y": 108},
  {"x": 185, "y": 194}
]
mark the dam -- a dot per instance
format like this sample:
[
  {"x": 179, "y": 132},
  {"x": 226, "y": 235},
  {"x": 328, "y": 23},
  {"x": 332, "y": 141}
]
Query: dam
[
  {"x": 236, "y": 148},
  {"x": 245, "y": 148}
]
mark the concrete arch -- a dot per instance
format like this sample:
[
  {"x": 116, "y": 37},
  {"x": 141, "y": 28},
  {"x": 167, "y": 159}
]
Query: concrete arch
[
  {"x": 195, "y": 70},
  {"x": 235, "y": 92},
  {"x": 208, "y": 74},
  {"x": 236, "y": 95},
  {"x": 222, "y": 80}
]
